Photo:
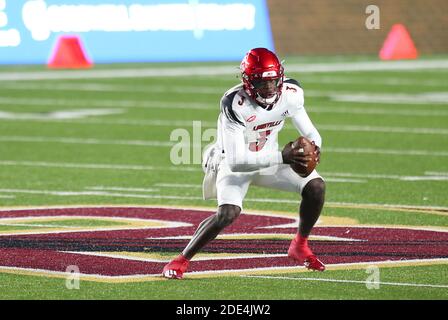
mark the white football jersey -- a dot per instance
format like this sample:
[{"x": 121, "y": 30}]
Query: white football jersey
[{"x": 248, "y": 133}]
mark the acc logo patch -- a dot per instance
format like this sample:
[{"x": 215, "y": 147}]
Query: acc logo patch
[{"x": 122, "y": 242}]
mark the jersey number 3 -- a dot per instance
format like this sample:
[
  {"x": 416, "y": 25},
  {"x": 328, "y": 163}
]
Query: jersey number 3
[{"x": 261, "y": 141}]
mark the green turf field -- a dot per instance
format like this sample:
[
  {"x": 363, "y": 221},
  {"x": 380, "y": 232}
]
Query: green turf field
[{"x": 102, "y": 139}]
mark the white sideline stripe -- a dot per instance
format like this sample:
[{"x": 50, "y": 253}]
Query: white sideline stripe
[
  {"x": 156, "y": 143},
  {"x": 222, "y": 70},
  {"x": 402, "y": 284},
  {"x": 6, "y": 196}
]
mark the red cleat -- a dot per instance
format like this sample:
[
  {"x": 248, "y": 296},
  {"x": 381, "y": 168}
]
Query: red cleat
[
  {"x": 176, "y": 268},
  {"x": 300, "y": 252}
]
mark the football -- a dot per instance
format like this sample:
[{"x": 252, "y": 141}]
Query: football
[{"x": 304, "y": 145}]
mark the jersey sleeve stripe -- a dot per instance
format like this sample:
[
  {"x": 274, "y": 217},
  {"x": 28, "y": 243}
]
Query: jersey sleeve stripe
[{"x": 226, "y": 108}]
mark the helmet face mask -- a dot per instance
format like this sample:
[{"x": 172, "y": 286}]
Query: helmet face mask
[{"x": 262, "y": 76}]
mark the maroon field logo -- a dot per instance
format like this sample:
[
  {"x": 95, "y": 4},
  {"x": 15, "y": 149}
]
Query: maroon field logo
[{"x": 134, "y": 242}]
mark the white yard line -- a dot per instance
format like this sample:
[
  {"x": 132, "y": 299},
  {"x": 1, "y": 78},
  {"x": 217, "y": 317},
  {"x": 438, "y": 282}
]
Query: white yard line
[
  {"x": 389, "y": 81},
  {"x": 369, "y": 97},
  {"x": 118, "y": 103},
  {"x": 427, "y": 176},
  {"x": 9, "y": 116},
  {"x": 169, "y": 144},
  {"x": 329, "y": 176},
  {"x": 6, "y": 196},
  {"x": 120, "y": 121},
  {"x": 59, "y": 115},
  {"x": 425, "y": 153},
  {"x": 188, "y": 185},
  {"x": 107, "y": 87},
  {"x": 345, "y": 180},
  {"x": 401, "y": 284},
  {"x": 94, "y": 141},
  {"x": 212, "y": 124},
  {"x": 96, "y": 194},
  {"x": 222, "y": 70},
  {"x": 393, "y": 98},
  {"x": 100, "y": 87},
  {"x": 435, "y": 173},
  {"x": 424, "y": 98},
  {"x": 95, "y": 166},
  {"x": 357, "y": 128},
  {"x": 103, "y": 188},
  {"x": 378, "y": 111},
  {"x": 368, "y": 66},
  {"x": 178, "y": 185}
]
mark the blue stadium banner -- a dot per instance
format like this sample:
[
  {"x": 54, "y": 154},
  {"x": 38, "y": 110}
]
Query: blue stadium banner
[{"x": 134, "y": 30}]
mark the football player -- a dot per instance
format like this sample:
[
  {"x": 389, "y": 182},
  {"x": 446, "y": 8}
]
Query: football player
[{"x": 247, "y": 152}]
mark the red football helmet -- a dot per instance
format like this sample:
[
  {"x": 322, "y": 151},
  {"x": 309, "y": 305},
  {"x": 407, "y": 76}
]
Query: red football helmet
[{"x": 262, "y": 76}]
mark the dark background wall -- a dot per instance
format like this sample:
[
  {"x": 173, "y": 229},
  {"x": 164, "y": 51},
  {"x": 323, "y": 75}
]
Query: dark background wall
[{"x": 338, "y": 26}]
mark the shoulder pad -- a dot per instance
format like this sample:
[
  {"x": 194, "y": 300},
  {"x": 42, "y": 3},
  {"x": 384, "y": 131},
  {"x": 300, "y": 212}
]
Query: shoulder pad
[{"x": 293, "y": 81}]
